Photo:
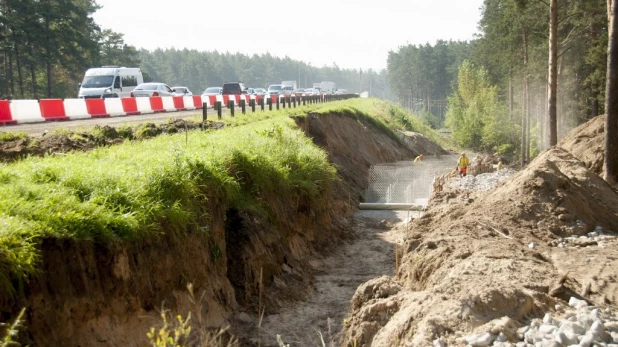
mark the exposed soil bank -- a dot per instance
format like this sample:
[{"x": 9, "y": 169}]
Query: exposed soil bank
[
  {"x": 89, "y": 294},
  {"x": 488, "y": 262}
]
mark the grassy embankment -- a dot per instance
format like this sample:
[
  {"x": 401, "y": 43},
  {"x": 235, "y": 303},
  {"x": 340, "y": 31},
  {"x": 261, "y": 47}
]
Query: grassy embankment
[{"x": 130, "y": 191}]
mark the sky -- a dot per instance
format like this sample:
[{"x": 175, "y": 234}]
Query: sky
[{"x": 349, "y": 33}]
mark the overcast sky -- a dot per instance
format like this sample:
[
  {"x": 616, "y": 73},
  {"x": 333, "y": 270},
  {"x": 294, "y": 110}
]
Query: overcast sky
[{"x": 350, "y": 33}]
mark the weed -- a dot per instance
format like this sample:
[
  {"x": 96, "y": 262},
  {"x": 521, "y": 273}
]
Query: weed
[
  {"x": 9, "y": 136},
  {"x": 12, "y": 331},
  {"x": 182, "y": 332}
]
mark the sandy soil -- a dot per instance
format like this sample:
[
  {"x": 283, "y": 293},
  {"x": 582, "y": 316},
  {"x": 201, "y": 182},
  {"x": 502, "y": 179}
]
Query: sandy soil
[{"x": 322, "y": 315}]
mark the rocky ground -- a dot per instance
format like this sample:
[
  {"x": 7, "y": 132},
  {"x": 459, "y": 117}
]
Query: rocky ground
[{"x": 498, "y": 266}]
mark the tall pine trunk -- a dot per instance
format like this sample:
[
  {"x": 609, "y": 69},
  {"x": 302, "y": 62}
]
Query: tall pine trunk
[
  {"x": 611, "y": 100},
  {"x": 552, "y": 84}
]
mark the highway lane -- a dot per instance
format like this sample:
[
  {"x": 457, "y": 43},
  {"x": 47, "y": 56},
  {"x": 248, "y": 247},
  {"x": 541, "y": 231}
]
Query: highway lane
[{"x": 38, "y": 129}]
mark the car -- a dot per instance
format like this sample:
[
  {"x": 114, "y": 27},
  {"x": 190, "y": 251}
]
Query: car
[
  {"x": 260, "y": 91},
  {"x": 234, "y": 88},
  {"x": 275, "y": 89},
  {"x": 212, "y": 91},
  {"x": 299, "y": 91},
  {"x": 312, "y": 91},
  {"x": 182, "y": 91},
  {"x": 250, "y": 91},
  {"x": 152, "y": 89},
  {"x": 341, "y": 91},
  {"x": 287, "y": 90}
]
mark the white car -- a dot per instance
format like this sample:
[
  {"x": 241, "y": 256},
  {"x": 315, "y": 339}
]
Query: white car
[
  {"x": 182, "y": 91},
  {"x": 152, "y": 89},
  {"x": 212, "y": 91}
]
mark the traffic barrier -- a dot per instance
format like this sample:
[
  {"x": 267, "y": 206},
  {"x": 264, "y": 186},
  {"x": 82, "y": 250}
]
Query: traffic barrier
[
  {"x": 96, "y": 108},
  {"x": 143, "y": 105},
  {"x": 5, "y": 113},
  {"x": 114, "y": 107},
  {"x": 156, "y": 104},
  {"x": 30, "y": 111},
  {"x": 53, "y": 109},
  {"x": 179, "y": 103},
  {"x": 76, "y": 109},
  {"x": 168, "y": 103},
  {"x": 187, "y": 101},
  {"x": 129, "y": 105},
  {"x": 26, "y": 111},
  {"x": 212, "y": 99}
]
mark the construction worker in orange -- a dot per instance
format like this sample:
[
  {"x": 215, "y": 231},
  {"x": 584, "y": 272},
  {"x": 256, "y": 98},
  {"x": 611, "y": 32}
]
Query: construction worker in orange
[
  {"x": 419, "y": 158},
  {"x": 462, "y": 165}
]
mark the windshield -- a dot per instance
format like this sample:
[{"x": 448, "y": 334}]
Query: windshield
[
  {"x": 212, "y": 90},
  {"x": 274, "y": 87},
  {"x": 97, "y": 81}
]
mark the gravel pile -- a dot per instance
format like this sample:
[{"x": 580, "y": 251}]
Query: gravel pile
[
  {"x": 484, "y": 181},
  {"x": 595, "y": 238},
  {"x": 579, "y": 325}
]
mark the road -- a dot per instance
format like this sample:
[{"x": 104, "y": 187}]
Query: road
[{"x": 37, "y": 129}]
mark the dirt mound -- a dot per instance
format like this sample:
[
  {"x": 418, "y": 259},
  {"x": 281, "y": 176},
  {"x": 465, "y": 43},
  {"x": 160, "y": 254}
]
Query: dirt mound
[
  {"x": 419, "y": 144},
  {"x": 586, "y": 143},
  {"x": 488, "y": 261}
]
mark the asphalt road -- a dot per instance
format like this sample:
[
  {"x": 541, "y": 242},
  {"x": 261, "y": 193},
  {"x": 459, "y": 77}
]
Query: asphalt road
[{"x": 37, "y": 129}]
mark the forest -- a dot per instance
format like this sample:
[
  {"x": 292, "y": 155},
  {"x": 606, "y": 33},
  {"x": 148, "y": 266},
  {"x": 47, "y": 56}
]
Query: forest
[
  {"x": 495, "y": 87},
  {"x": 491, "y": 92},
  {"x": 47, "y": 45}
]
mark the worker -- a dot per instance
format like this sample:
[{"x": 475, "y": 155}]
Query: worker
[
  {"x": 462, "y": 165},
  {"x": 419, "y": 158},
  {"x": 500, "y": 165}
]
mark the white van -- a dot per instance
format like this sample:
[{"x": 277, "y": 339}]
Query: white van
[{"x": 109, "y": 82}]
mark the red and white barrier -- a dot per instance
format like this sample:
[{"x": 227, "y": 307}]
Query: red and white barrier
[{"x": 32, "y": 111}]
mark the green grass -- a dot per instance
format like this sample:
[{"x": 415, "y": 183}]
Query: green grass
[{"x": 141, "y": 189}]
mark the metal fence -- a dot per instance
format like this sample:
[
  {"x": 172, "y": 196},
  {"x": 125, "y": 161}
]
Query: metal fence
[{"x": 405, "y": 181}]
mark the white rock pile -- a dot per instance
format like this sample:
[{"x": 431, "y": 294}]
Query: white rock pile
[
  {"x": 594, "y": 238},
  {"x": 581, "y": 325},
  {"x": 484, "y": 181}
]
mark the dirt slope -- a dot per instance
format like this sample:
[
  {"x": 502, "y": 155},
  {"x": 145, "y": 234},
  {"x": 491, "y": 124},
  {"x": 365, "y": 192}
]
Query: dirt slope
[
  {"x": 586, "y": 143},
  {"x": 89, "y": 294},
  {"x": 479, "y": 261}
]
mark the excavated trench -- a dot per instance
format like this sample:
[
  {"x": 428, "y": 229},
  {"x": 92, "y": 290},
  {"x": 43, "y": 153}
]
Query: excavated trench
[{"x": 90, "y": 294}]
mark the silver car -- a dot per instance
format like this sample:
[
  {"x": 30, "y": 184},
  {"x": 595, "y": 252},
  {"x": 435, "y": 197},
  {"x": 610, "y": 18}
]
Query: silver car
[
  {"x": 182, "y": 91},
  {"x": 212, "y": 91},
  {"x": 152, "y": 89}
]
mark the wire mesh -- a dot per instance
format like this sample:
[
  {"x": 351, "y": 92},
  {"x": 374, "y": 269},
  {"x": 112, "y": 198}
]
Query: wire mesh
[{"x": 405, "y": 181}]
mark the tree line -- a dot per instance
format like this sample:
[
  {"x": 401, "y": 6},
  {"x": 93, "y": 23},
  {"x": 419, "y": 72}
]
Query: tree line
[
  {"x": 47, "y": 45},
  {"x": 201, "y": 69},
  {"x": 509, "y": 60}
]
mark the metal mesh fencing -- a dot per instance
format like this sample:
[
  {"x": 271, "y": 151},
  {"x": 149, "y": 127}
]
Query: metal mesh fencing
[{"x": 406, "y": 181}]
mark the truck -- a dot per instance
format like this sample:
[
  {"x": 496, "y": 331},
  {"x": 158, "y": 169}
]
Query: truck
[
  {"x": 327, "y": 87},
  {"x": 289, "y": 83},
  {"x": 109, "y": 82}
]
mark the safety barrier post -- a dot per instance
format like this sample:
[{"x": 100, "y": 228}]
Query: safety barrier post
[
  {"x": 242, "y": 106},
  {"x": 204, "y": 113},
  {"x": 284, "y": 97},
  {"x": 277, "y": 103},
  {"x": 252, "y": 102},
  {"x": 294, "y": 102},
  {"x": 218, "y": 106},
  {"x": 261, "y": 101},
  {"x": 230, "y": 105},
  {"x": 270, "y": 104}
]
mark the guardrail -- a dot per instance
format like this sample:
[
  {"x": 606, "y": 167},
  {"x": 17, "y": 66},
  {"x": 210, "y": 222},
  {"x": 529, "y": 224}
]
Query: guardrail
[{"x": 45, "y": 110}]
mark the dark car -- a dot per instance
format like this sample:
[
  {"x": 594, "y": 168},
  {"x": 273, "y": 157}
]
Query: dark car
[{"x": 234, "y": 88}]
